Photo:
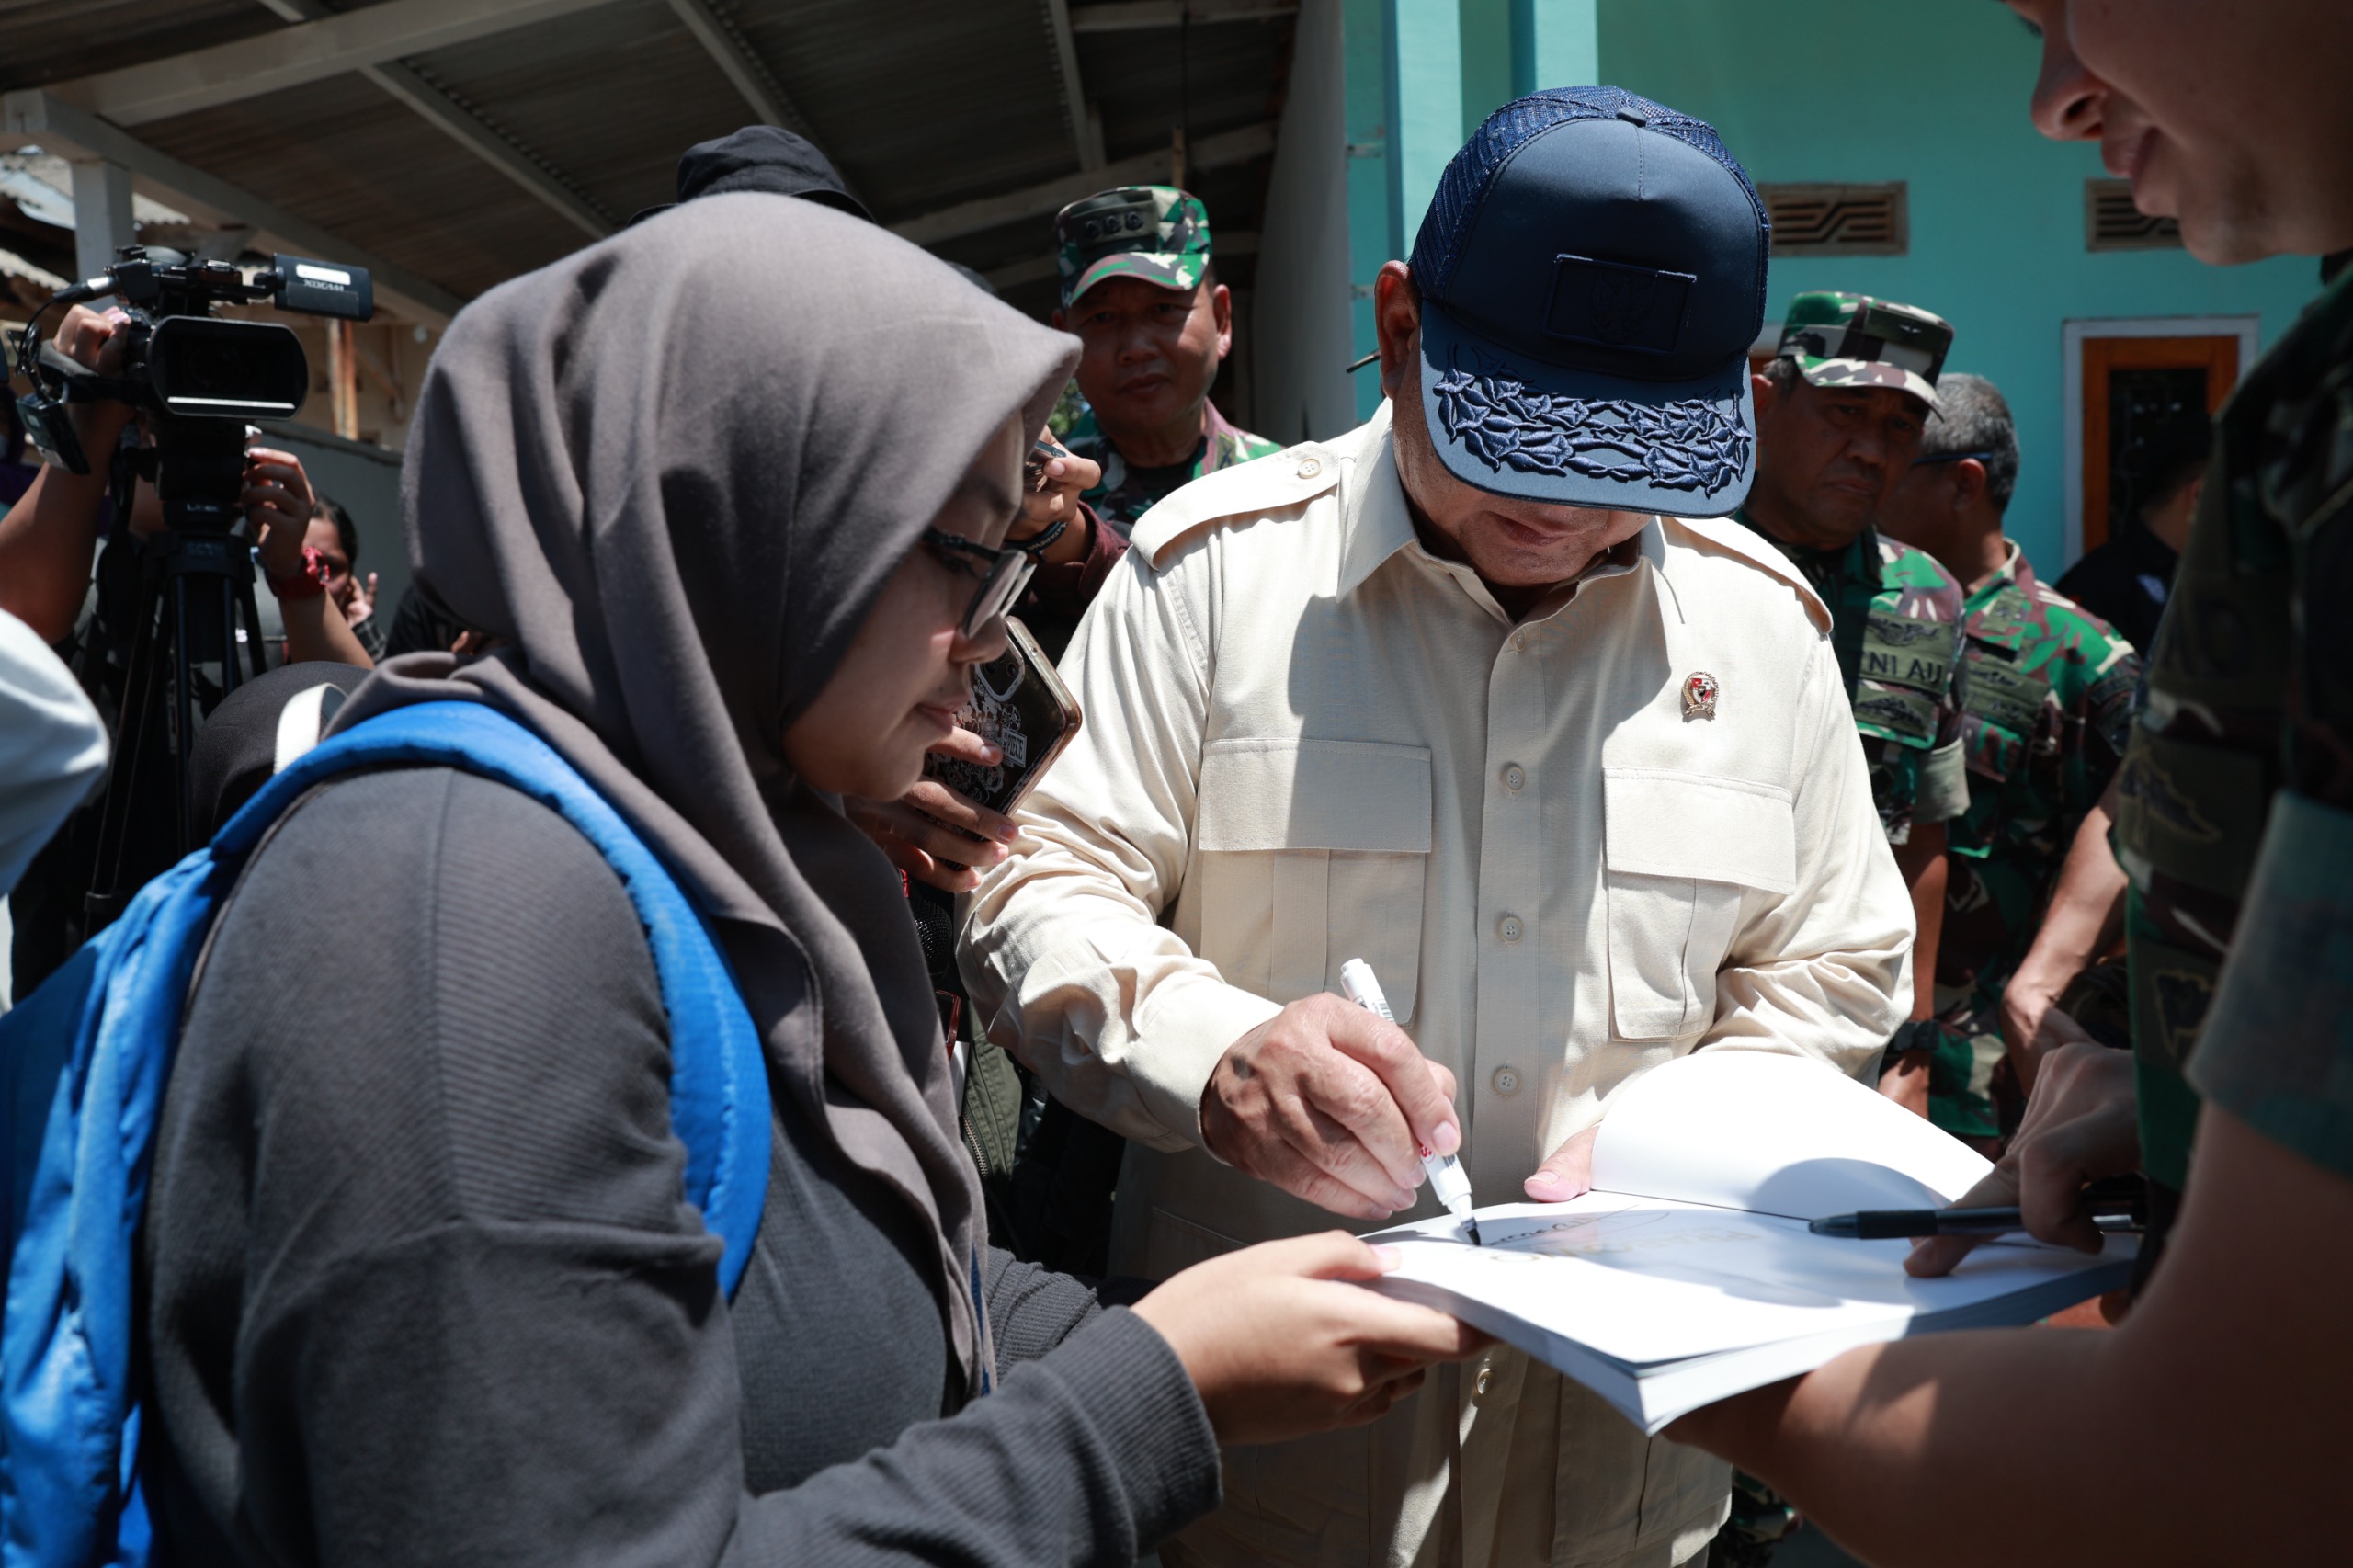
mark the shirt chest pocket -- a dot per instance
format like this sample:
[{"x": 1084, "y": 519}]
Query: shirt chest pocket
[
  {"x": 1310, "y": 853},
  {"x": 1680, "y": 852}
]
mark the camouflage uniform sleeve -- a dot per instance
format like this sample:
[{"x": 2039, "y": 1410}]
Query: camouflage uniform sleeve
[
  {"x": 1943, "y": 792},
  {"x": 1907, "y": 703},
  {"x": 2107, "y": 706},
  {"x": 2277, "y": 1049}
]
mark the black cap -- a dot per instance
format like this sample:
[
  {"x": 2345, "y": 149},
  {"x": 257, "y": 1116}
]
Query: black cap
[
  {"x": 761, "y": 157},
  {"x": 1592, "y": 277}
]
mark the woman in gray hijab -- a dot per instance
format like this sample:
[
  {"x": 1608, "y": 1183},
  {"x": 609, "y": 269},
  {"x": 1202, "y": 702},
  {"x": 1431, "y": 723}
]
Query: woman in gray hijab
[{"x": 730, "y": 490}]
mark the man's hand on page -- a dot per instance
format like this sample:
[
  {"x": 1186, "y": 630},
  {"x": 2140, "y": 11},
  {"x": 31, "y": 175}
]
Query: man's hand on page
[
  {"x": 1568, "y": 1174},
  {"x": 1332, "y": 1105},
  {"x": 2081, "y": 1124}
]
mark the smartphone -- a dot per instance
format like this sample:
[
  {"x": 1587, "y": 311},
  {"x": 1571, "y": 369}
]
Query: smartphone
[{"x": 1020, "y": 703}]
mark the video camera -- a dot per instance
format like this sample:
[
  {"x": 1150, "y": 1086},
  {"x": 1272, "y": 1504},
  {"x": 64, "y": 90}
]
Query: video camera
[
  {"x": 196, "y": 380},
  {"x": 197, "y": 377}
]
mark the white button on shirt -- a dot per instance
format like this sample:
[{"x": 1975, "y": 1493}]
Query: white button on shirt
[{"x": 1304, "y": 743}]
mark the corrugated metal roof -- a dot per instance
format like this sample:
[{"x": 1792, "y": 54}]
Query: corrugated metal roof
[
  {"x": 52, "y": 40},
  {"x": 924, "y": 104}
]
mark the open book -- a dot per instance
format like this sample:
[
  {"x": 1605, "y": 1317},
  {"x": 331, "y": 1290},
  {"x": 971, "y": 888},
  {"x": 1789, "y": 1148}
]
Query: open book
[{"x": 1687, "y": 1273}]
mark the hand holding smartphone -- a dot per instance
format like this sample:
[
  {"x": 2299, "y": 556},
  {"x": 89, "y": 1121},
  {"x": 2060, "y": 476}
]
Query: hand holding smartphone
[{"x": 1021, "y": 706}]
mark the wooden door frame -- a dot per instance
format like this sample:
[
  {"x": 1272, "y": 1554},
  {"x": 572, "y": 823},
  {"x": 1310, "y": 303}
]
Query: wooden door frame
[{"x": 2073, "y": 335}]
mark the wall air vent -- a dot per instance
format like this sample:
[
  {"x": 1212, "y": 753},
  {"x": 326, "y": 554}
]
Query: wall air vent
[
  {"x": 2112, "y": 222},
  {"x": 1838, "y": 220}
]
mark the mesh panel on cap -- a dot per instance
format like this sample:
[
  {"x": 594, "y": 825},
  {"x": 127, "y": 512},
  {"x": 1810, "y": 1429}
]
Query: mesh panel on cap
[{"x": 1471, "y": 172}]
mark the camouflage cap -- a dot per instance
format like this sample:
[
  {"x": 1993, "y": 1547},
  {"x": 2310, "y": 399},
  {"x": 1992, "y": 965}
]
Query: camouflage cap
[
  {"x": 1853, "y": 340},
  {"x": 1155, "y": 233}
]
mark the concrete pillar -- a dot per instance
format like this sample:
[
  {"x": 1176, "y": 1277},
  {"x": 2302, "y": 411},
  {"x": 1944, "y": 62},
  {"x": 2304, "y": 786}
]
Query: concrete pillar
[
  {"x": 1415, "y": 78},
  {"x": 101, "y": 214}
]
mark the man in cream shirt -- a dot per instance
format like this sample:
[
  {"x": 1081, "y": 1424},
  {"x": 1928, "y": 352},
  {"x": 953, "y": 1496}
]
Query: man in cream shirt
[{"x": 1488, "y": 693}]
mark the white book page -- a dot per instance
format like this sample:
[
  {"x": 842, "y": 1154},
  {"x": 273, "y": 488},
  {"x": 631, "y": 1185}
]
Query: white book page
[
  {"x": 1776, "y": 1134},
  {"x": 1642, "y": 1281}
]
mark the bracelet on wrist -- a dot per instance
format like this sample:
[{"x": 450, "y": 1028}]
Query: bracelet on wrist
[
  {"x": 307, "y": 583},
  {"x": 1043, "y": 540}
]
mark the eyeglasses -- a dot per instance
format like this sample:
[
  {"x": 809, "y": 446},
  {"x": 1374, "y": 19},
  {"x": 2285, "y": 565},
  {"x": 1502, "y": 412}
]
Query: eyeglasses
[
  {"x": 1003, "y": 575},
  {"x": 1951, "y": 458}
]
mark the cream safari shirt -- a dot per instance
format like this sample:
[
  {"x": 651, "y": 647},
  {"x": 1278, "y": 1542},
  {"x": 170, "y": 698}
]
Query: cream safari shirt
[{"x": 1307, "y": 740}]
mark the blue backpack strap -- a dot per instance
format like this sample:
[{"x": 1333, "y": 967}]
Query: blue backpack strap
[
  {"x": 719, "y": 1089},
  {"x": 84, "y": 1062}
]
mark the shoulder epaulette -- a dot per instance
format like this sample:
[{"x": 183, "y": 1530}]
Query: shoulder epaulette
[
  {"x": 1262, "y": 487},
  {"x": 1730, "y": 536}
]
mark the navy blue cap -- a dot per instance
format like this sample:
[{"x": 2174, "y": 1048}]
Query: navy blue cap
[{"x": 1592, "y": 277}]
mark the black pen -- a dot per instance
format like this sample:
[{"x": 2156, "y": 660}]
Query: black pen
[{"x": 2119, "y": 1198}]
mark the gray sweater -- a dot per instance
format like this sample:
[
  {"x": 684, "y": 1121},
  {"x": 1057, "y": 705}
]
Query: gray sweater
[{"x": 422, "y": 1287}]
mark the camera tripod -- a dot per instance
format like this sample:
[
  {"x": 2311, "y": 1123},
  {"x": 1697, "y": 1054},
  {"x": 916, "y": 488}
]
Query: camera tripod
[
  {"x": 196, "y": 378},
  {"x": 195, "y": 598}
]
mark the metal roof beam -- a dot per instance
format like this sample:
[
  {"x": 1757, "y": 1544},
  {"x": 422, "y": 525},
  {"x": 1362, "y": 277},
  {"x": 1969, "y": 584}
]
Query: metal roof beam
[
  {"x": 482, "y": 138},
  {"x": 469, "y": 129},
  {"x": 73, "y": 132},
  {"x": 1037, "y": 201},
  {"x": 1085, "y": 130},
  {"x": 309, "y": 52},
  {"x": 1129, "y": 16}
]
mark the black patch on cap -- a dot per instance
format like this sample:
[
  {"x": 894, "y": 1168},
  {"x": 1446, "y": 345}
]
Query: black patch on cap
[{"x": 1617, "y": 306}]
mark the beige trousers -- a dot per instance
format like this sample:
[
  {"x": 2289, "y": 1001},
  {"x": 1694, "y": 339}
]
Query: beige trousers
[{"x": 1544, "y": 1486}]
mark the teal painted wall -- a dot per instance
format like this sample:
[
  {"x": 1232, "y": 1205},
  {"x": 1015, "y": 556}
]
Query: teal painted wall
[
  {"x": 1555, "y": 43},
  {"x": 1933, "y": 93},
  {"x": 1367, "y": 48},
  {"x": 1444, "y": 66},
  {"x": 1837, "y": 90}
]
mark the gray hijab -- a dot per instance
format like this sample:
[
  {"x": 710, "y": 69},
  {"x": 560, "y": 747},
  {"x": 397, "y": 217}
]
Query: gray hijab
[{"x": 673, "y": 471}]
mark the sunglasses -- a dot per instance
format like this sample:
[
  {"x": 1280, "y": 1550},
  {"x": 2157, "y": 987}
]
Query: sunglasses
[{"x": 1002, "y": 573}]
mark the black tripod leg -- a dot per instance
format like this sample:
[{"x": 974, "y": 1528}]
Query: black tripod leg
[
  {"x": 230, "y": 630},
  {"x": 137, "y": 721},
  {"x": 254, "y": 648},
  {"x": 183, "y": 704}
]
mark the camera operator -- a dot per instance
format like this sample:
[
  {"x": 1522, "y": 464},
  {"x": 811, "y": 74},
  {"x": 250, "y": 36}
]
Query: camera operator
[
  {"x": 47, "y": 580},
  {"x": 47, "y": 538}
]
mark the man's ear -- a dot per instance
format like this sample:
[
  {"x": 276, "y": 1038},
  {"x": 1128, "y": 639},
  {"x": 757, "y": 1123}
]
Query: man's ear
[
  {"x": 1967, "y": 482},
  {"x": 1060, "y": 319},
  {"x": 1221, "y": 311},
  {"x": 1767, "y": 391},
  {"x": 1397, "y": 321}
]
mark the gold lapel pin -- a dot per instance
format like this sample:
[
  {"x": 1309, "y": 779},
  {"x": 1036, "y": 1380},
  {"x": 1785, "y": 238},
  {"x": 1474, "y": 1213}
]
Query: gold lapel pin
[{"x": 1699, "y": 696}]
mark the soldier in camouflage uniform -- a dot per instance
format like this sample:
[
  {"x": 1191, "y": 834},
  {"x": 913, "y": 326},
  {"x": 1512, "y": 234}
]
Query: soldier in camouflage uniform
[
  {"x": 2250, "y": 718},
  {"x": 2209, "y": 1426},
  {"x": 1896, "y": 612},
  {"x": 1839, "y": 416},
  {"x": 2046, "y": 701},
  {"x": 1138, "y": 289}
]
